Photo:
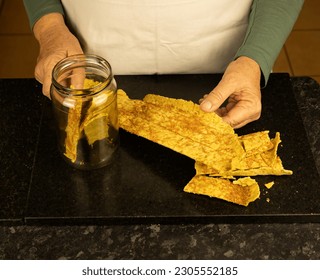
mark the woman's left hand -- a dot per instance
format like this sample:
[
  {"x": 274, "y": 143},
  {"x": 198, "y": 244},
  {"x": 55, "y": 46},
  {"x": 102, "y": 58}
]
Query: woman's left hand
[{"x": 240, "y": 84}]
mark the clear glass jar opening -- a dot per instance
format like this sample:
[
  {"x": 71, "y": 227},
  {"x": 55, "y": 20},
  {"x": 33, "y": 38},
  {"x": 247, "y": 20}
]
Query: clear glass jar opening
[{"x": 69, "y": 74}]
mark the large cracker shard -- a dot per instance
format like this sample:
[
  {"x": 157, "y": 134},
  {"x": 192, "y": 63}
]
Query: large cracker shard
[
  {"x": 181, "y": 126},
  {"x": 87, "y": 118},
  {"x": 241, "y": 191},
  {"x": 218, "y": 152},
  {"x": 73, "y": 130},
  {"x": 260, "y": 160}
]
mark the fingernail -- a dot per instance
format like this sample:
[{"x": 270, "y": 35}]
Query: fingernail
[{"x": 206, "y": 105}]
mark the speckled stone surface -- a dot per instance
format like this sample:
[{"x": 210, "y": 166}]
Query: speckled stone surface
[
  {"x": 166, "y": 241},
  {"x": 307, "y": 94},
  {"x": 212, "y": 241}
]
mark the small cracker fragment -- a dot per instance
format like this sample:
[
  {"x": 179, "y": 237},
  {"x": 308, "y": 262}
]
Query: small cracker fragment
[
  {"x": 259, "y": 159},
  {"x": 256, "y": 142},
  {"x": 242, "y": 191},
  {"x": 269, "y": 185}
]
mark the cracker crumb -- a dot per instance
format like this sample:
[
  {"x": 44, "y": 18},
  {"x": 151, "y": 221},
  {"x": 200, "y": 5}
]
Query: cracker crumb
[{"x": 269, "y": 185}]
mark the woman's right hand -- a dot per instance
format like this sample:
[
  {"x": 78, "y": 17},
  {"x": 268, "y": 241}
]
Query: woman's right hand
[{"x": 56, "y": 42}]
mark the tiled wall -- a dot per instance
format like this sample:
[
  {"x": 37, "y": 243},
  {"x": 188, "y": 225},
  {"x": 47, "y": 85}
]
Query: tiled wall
[
  {"x": 18, "y": 48},
  {"x": 300, "y": 55}
]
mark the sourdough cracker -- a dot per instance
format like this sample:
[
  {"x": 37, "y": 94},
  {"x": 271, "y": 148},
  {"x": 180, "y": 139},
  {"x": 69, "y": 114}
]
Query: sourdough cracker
[
  {"x": 256, "y": 142},
  {"x": 93, "y": 123},
  {"x": 219, "y": 153},
  {"x": 181, "y": 126},
  {"x": 73, "y": 130},
  {"x": 254, "y": 163}
]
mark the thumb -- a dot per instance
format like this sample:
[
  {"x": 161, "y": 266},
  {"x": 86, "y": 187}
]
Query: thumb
[{"x": 216, "y": 97}]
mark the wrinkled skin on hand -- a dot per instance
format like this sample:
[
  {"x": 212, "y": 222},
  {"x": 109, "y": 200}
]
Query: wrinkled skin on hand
[
  {"x": 240, "y": 86},
  {"x": 56, "y": 42}
]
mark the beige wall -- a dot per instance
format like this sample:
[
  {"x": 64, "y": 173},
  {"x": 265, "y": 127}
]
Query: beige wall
[{"x": 18, "y": 49}]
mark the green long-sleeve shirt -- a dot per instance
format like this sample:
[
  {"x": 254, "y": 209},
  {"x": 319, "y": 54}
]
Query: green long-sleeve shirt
[{"x": 270, "y": 23}]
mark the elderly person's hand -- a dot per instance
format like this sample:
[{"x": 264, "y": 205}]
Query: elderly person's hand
[
  {"x": 56, "y": 42},
  {"x": 240, "y": 84}
]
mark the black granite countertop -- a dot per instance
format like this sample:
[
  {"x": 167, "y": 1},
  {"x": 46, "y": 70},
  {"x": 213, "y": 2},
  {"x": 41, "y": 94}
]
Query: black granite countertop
[{"x": 21, "y": 142}]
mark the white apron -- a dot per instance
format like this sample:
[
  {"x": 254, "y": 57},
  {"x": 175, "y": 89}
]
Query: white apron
[{"x": 160, "y": 36}]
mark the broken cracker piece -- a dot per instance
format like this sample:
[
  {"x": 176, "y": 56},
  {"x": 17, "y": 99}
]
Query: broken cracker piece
[
  {"x": 181, "y": 126},
  {"x": 254, "y": 163},
  {"x": 269, "y": 185},
  {"x": 241, "y": 191}
]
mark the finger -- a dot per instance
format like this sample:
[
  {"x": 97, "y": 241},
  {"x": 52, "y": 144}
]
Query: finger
[
  {"x": 216, "y": 97},
  {"x": 44, "y": 78},
  {"x": 202, "y": 98},
  {"x": 240, "y": 115},
  {"x": 47, "y": 77},
  {"x": 38, "y": 72},
  {"x": 38, "y": 77},
  {"x": 46, "y": 86},
  {"x": 78, "y": 74},
  {"x": 75, "y": 50},
  {"x": 77, "y": 78},
  {"x": 237, "y": 125},
  {"x": 221, "y": 112}
]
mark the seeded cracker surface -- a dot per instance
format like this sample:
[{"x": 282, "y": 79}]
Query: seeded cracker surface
[
  {"x": 263, "y": 161},
  {"x": 181, "y": 126},
  {"x": 242, "y": 191}
]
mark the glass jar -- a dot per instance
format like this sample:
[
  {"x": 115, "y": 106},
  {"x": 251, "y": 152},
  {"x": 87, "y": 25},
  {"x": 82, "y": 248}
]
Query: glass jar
[{"x": 84, "y": 99}]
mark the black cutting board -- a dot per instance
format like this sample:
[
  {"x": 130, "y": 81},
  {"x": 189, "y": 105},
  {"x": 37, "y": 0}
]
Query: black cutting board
[{"x": 145, "y": 182}]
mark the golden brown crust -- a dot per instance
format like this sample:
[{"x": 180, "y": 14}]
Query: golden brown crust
[
  {"x": 73, "y": 130},
  {"x": 256, "y": 162},
  {"x": 181, "y": 126},
  {"x": 242, "y": 191}
]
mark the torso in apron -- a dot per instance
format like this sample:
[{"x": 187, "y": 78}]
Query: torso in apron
[{"x": 160, "y": 36}]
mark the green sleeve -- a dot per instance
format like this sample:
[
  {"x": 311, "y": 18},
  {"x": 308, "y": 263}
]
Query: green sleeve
[
  {"x": 37, "y": 8},
  {"x": 270, "y": 23}
]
